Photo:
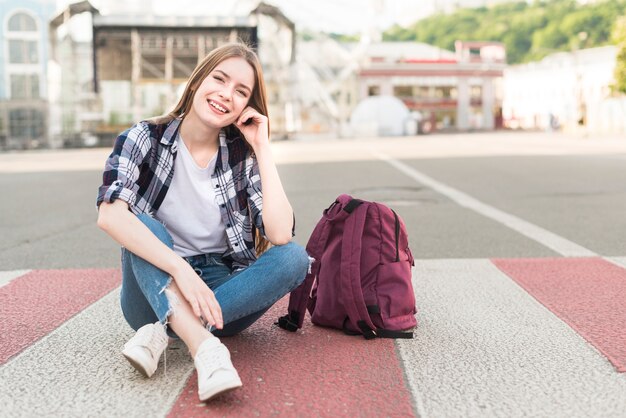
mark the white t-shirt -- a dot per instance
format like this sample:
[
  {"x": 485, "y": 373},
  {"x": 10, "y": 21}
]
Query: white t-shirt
[{"x": 189, "y": 211}]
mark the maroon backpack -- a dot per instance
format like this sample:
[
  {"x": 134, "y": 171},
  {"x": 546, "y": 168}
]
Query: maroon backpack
[{"x": 360, "y": 281}]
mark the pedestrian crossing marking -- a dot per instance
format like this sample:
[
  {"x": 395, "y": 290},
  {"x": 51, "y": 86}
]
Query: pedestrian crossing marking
[{"x": 481, "y": 336}]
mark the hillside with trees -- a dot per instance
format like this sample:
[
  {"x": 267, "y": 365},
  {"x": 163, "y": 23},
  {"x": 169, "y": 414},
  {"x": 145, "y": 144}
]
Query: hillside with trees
[
  {"x": 529, "y": 31},
  {"x": 619, "y": 39}
]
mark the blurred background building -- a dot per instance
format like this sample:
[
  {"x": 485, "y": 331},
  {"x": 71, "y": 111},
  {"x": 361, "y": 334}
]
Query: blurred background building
[
  {"x": 23, "y": 69},
  {"x": 446, "y": 89},
  {"x": 565, "y": 90},
  {"x": 439, "y": 89},
  {"x": 134, "y": 65},
  {"x": 79, "y": 75}
]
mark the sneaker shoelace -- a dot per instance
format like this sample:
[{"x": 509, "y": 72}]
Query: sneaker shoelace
[
  {"x": 214, "y": 359},
  {"x": 151, "y": 339}
]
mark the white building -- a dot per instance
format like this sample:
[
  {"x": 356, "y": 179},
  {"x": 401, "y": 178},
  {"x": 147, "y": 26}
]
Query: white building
[
  {"x": 568, "y": 90},
  {"x": 451, "y": 89}
]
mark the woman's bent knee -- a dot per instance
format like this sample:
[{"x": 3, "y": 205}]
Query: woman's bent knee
[{"x": 296, "y": 257}]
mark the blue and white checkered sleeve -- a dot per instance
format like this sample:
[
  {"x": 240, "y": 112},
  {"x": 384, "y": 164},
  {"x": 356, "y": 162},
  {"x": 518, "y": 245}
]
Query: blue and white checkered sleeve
[{"x": 119, "y": 180}]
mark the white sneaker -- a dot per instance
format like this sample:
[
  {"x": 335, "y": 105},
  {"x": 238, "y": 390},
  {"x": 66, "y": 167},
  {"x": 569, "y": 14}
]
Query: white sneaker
[
  {"x": 145, "y": 348},
  {"x": 216, "y": 373}
]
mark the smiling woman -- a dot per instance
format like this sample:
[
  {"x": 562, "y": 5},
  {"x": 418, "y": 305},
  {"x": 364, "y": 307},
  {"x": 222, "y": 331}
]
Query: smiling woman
[{"x": 195, "y": 200}]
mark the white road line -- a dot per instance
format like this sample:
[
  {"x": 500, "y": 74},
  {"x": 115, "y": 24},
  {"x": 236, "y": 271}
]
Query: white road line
[
  {"x": 544, "y": 237},
  {"x": 78, "y": 370},
  {"x": 7, "y": 276},
  {"x": 485, "y": 347},
  {"x": 618, "y": 261}
]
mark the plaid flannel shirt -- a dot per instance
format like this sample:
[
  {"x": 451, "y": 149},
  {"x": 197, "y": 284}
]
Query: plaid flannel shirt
[{"x": 139, "y": 171}]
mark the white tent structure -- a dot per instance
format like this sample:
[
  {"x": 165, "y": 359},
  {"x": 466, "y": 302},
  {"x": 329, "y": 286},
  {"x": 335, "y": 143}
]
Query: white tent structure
[{"x": 380, "y": 116}]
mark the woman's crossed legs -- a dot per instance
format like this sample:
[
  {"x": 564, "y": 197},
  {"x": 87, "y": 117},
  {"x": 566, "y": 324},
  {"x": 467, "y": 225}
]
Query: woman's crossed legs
[{"x": 149, "y": 295}]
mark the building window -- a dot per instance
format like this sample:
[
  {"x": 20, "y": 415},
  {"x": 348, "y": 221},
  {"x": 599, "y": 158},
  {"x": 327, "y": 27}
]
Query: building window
[
  {"x": 445, "y": 92},
  {"x": 422, "y": 92},
  {"x": 26, "y": 123},
  {"x": 403, "y": 91},
  {"x": 373, "y": 90},
  {"x": 23, "y": 52},
  {"x": 476, "y": 92},
  {"x": 24, "y": 86},
  {"x": 183, "y": 42},
  {"x": 151, "y": 42},
  {"x": 21, "y": 22}
]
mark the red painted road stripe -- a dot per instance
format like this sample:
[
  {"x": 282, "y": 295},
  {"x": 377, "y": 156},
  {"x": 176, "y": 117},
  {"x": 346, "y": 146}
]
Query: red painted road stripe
[
  {"x": 315, "y": 372},
  {"x": 33, "y": 305},
  {"x": 589, "y": 294}
]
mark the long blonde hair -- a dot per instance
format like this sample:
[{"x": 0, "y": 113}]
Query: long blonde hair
[{"x": 258, "y": 98}]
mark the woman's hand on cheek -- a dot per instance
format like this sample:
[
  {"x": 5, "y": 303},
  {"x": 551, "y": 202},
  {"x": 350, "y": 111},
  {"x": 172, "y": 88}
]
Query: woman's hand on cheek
[{"x": 255, "y": 131}]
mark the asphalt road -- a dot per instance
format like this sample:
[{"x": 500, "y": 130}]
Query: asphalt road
[
  {"x": 519, "y": 283},
  {"x": 47, "y": 218}
]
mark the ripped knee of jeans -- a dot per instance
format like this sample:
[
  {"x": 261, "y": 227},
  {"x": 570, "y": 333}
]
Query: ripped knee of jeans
[{"x": 172, "y": 299}]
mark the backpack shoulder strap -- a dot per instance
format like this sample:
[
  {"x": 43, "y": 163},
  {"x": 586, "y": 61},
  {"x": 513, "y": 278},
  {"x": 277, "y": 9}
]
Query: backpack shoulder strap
[
  {"x": 352, "y": 293},
  {"x": 299, "y": 297},
  {"x": 351, "y": 248}
]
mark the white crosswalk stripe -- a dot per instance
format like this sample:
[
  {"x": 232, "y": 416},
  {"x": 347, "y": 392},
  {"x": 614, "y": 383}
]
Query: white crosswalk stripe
[
  {"x": 485, "y": 347},
  {"x": 78, "y": 370},
  {"x": 620, "y": 261}
]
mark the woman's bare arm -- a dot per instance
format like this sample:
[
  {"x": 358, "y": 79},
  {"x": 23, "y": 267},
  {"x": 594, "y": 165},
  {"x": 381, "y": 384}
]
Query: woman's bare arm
[{"x": 277, "y": 211}]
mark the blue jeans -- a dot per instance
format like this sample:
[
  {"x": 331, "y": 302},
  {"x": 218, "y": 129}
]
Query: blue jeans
[{"x": 244, "y": 295}]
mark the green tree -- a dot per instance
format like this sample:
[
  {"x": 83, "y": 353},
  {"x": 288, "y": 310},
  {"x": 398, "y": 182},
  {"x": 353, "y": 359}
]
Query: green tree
[
  {"x": 619, "y": 37},
  {"x": 529, "y": 30}
]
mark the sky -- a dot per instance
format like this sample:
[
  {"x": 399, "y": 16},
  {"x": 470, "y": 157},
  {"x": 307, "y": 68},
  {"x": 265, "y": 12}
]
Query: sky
[
  {"x": 340, "y": 16},
  {"x": 350, "y": 16}
]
